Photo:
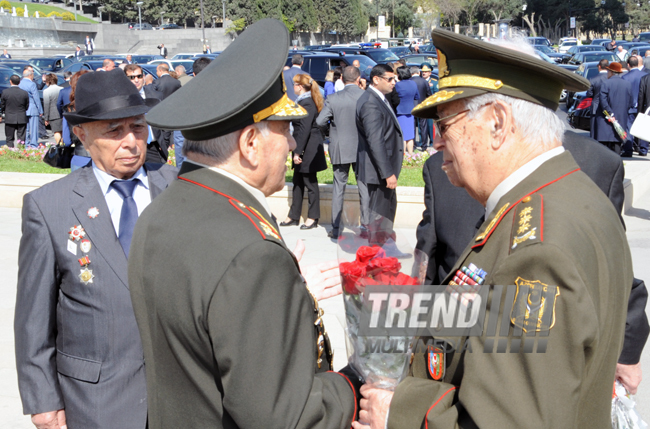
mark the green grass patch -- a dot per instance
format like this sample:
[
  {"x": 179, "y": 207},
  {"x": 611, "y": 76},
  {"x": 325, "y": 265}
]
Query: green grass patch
[
  {"x": 409, "y": 176},
  {"x": 24, "y": 166},
  {"x": 45, "y": 9}
]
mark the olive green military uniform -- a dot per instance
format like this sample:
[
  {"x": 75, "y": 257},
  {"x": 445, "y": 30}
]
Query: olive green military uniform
[
  {"x": 228, "y": 325},
  {"x": 554, "y": 228}
]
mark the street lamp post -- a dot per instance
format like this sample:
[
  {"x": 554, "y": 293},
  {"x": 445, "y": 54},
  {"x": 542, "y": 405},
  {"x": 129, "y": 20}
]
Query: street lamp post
[
  {"x": 140, "y": 3},
  {"x": 223, "y": 21},
  {"x": 202, "y": 24},
  {"x": 161, "y": 17},
  {"x": 377, "y": 20}
]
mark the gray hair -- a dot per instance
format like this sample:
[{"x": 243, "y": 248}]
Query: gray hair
[
  {"x": 415, "y": 70},
  {"x": 220, "y": 148},
  {"x": 28, "y": 73},
  {"x": 539, "y": 125}
]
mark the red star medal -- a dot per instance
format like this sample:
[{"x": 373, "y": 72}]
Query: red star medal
[{"x": 76, "y": 233}]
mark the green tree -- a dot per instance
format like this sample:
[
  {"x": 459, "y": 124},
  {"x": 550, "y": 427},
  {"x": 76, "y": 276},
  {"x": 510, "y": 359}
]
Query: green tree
[{"x": 242, "y": 9}]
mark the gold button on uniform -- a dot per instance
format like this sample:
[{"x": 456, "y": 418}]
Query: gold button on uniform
[{"x": 526, "y": 199}]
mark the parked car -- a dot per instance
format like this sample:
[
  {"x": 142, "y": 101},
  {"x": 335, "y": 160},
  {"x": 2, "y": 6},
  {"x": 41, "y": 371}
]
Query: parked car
[
  {"x": 566, "y": 45},
  {"x": 586, "y": 70},
  {"x": 539, "y": 41},
  {"x": 428, "y": 48},
  {"x": 585, "y": 48},
  {"x": 400, "y": 51},
  {"x": 600, "y": 41},
  {"x": 50, "y": 64},
  {"x": 644, "y": 37},
  {"x": 75, "y": 67},
  {"x": 170, "y": 27},
  {"x": 579, "y": 115},
  {"x": 143, "y": 26},
  {"x": 149, "y": 69},
  {"x": 555, "y": 56},
  {"x": 211, "y": 56},
  {"x": 185, "y": 56},
  {"x": 318, "y": 65},
  {"x": 175, "y": 63},
  {"x": 144, "y": 59},
  {"x": 316, "y": 47},
  {"x": 421, "y": 58},
  {"x": 5, "y": 74},
  {"x": 380, "y": 55},
  {"x": 639, "y": 50},
  {"x": 586, "y": 57}
]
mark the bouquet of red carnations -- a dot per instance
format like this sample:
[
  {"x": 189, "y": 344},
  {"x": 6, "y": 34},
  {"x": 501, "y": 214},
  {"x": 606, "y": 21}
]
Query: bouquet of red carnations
[{"x": 382, "y": 360}]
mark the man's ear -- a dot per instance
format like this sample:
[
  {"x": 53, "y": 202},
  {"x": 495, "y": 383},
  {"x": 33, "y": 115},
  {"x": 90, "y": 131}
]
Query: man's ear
[
  {"x": 249, "y": 145},
  {"x": 80, "y": 133},
  {"x": 500, "y": 115}
]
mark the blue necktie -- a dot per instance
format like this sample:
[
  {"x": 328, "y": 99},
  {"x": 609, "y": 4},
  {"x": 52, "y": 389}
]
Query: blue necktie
[{"x": 129, "y": 213}]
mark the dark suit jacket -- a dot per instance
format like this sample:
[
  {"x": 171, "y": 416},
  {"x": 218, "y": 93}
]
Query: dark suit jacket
[
  {"x": 14, "y": 102},
  {"x": 634, "y": 77},
  {"x": 381, "y": 147},
  {"x": 151, "y": 92},
  {"x": 235, "y": 299},
  {"x": 309, "y": 140},
  {"x": 594, "y": 90},
  {"x": 288, "y": 80},
  {"x": 77, "y": 345},
  {"x": 423, "y": 88},
  {"x": 450, "y": 219},
  {"x": 616, "y": 98},
  {"x": 644, "y": 93},
  {"x": 339, "y": 115},
  {"x": 166, "y": 85}
]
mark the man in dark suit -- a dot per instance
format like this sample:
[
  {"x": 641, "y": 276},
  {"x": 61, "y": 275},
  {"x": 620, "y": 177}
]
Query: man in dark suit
[
  {"x": 78, "y": 351},
  {"x": 339, "y": 115},
  {"x": 296, "y": 64},
  {"x": 594, "y": 93},
  {"x": 205, "y": 320},
  {"x": 616, "y": 99},
  {"x": 634, "y": 76},
  {"x": 90, "y": 45},
  {"x": 35, "y": 109},
  {"x": 14, "y": 102},
  {"x": 5, "y": 54},
  {"x": 166, "y": 85},
  {"x": 78, "y": 53},
  {"x": 424, "y": 90},
  {"x": 381, "y": 147},
  {"x": 163, "y": 50},
  {"x": 449, "y": 224}
]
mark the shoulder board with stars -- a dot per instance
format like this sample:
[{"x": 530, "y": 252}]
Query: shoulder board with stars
[
  {"x": 528, "y": 222},
  {"x": 265, "y": 228}
]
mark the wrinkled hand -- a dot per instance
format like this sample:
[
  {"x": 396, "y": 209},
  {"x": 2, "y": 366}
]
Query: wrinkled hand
[
  {"x": 297, "y": 159},
  {"x": 50, "y": 420},
  {"x": 374, "y": 408},
  {"x": 629, "y": 376},
  {"x": 324, "y": 279},
  {"x": 391, "y": 182}
]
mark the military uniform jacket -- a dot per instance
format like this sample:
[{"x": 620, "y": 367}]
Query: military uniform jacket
[
  {"x": 578, "y": 244},
  {"x": 228, "y": 328},
  {"x": 77, "y": 341}
]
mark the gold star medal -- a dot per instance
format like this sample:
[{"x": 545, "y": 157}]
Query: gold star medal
[
  {"x": 86, "y": 276},
  {"x": 76, "y": 233},
  {"x": 93, "y": 212}
]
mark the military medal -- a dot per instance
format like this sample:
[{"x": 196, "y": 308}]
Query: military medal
[
  {"x": 76, "y": 233},
  {"x": 93, "y": 212},
  {"x": 84, "y": 261},
  {"x": 86, "y": 276},
  {"x": 436, "y": 362},
  {"x": 85, "y": 245}
]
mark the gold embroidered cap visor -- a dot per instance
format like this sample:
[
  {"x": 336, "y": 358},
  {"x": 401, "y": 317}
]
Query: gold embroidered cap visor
[
  {"x": 229, "y": 94},
  {"x": 468, "y": 67}
]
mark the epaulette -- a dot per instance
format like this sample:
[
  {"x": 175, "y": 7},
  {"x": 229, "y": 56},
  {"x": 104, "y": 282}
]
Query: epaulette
[
  {"x": 528, "y": 222},
  {"x": 263, "y": 226}
]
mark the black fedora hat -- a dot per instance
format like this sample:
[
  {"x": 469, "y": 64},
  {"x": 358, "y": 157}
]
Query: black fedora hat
[
  {"x": 101, "y": 96},
  {"x": 230, "y": 93}
]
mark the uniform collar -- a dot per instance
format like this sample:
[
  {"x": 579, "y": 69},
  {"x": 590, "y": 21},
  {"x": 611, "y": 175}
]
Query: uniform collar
[
  {"x": 255, "y": 193},
  {"x": 517, "y": 177}
]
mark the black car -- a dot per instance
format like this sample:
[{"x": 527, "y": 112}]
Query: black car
[
  {"x": 380, "y": 55},
  {"x": 579, "y": 115},
  {"x": 586, "y": 70},
  {"x": 211, "y": 56},
  {"x": 149, "y": 69},
  {"x": 18, "y": 65},
  {"x": 316, "y": 47},
  {"x": 75, "y": 67},
  {"x": 144, "y": 59},
  {"x": 428, "y": 48},
  {"x": 51, "y": 65},
  {"x": 587, "y": 57},
  {"x": 644, "y": 37},
  {"x": 555, "y": 56},
  {"x": 318, "y": 65},
  {"x": 584, "y": 48},
  {"x": 169, "y": 27},
  {"x": 418, "y": 59},
  {"x": 5, "y": 74},
  {"x": 600, "y": 42},
  {"x": 639, "y": 50}
]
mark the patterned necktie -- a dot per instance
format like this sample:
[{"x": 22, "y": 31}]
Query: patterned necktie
[{"x": 129, "y": 214}]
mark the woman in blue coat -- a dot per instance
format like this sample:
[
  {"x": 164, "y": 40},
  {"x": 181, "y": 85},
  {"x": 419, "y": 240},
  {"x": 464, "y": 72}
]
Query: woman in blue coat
[{"x": 408, "y": 93}]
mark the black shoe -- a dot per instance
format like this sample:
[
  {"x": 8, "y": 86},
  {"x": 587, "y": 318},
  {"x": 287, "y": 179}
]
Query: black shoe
[
  {"x": 290, "y": 223},
  {"x": 643, "y": 154},
  {"x": 627, "y": 155},
  {"x": 312, "y": 226},
  {"x": 333, "y": 234}
]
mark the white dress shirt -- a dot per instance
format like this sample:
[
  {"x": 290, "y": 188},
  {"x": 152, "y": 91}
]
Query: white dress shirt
[
  {"x": 114, "y": 201},
  {"x": 518, "y": 176}
]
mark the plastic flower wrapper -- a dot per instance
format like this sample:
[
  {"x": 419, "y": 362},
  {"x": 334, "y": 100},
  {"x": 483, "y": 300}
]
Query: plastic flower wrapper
[
  {"x": 371, "y": 259},
  {"x": 624, "y": 413}
]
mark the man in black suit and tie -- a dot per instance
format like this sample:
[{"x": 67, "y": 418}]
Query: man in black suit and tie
[
  {"x": 5, "y": 54},
  {"x": 78, "y": 53},
  {"x": 381, "y": 147},
  {"x": 78, "y": 350},
  {"x": 163, "y": 50},
  {"x": 14, "y": 102},
  {"x": 166, "y": 85},
  {"x": 616, "y": 99},
  {"x": 296, "y": 64},
  {"x": 594, "y": 93},
  {"x": 451, "y": 215},
  {"x": 424, "y": 90}
]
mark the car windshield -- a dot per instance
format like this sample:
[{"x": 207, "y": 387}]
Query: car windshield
[
  {"x": 545, "y": 49},
  {"x": 569, "y": 43},
  {"x": 545, "y": 57},
  {"x": 5, "y": 74},
  {"x": 378, "y": 56},
  {"x": 42, "y": 63}
]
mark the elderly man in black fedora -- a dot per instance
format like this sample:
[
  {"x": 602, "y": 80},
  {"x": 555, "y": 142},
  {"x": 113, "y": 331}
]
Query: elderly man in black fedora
[
  {"x": 232, "y": 336},
  {"x": 78, "y": 349}
]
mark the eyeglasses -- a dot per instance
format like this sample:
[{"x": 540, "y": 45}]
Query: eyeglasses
[
  {"x": 388, "y": 79},
  {"x": 442, "y": 128},
  {"x": 135, "y": 76}
]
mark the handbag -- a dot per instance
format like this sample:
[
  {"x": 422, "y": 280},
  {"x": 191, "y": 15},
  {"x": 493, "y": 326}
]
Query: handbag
[
  {"x": 641, "y": 126},
  {"x": 59, "y": 156}
]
